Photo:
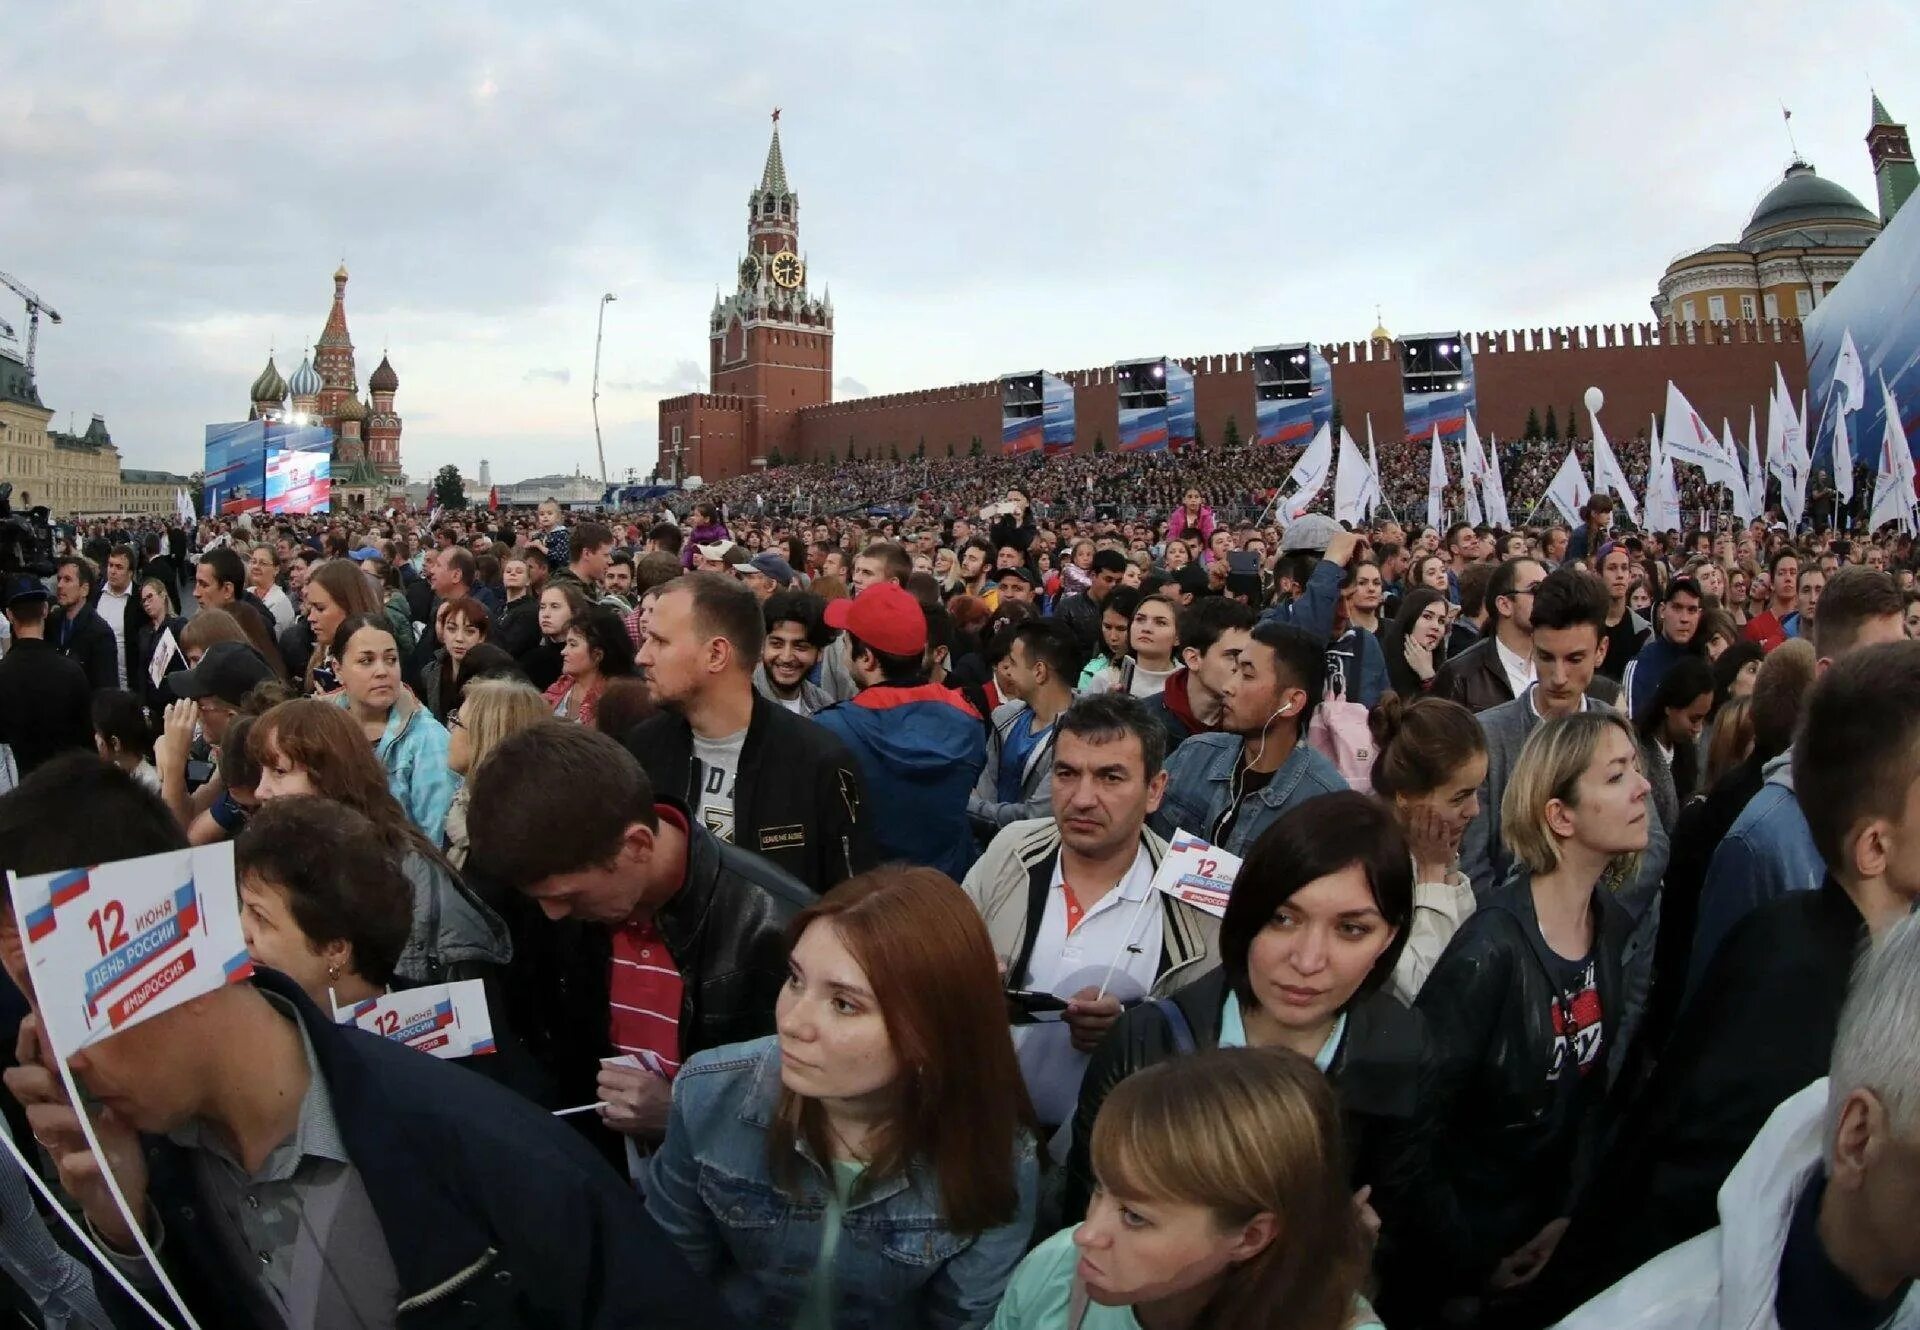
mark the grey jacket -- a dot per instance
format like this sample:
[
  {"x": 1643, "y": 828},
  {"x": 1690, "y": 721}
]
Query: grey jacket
[
  {"x": 984, "y": 808},
  {"x": 1200, "y": 786},
  {"x": 454, "y": 931},
  {"x": 812, "y": 696},
  {"x": 1008, "y": 884}
]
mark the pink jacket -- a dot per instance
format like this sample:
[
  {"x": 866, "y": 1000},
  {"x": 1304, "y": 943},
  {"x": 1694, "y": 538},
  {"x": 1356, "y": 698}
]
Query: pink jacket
[{"x": 1177, "y": 525}]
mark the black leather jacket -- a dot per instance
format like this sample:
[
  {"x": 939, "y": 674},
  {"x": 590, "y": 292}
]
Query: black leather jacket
[
  {"x": 1378, "y": 1072},
  {"x": 726, "y": 931},
  {"x": 1511, "y": 1161},
  {"x": 797, "y": 797}
]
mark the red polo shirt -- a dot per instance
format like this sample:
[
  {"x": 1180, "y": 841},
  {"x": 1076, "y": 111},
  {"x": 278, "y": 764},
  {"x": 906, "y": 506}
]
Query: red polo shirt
[{"x": 644, "y": 987}]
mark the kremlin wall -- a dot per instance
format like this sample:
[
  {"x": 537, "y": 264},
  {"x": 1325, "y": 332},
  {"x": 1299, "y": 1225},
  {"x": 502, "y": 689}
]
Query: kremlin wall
[{"x": 771, "y": 346}]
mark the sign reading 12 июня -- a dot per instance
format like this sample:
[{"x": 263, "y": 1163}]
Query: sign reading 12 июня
[{"x": 113, "y": 945}]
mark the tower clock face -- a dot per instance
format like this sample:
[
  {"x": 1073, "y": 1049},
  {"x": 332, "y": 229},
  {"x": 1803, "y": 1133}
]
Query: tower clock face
[
  {"x": 749, "y": 270},
  {"x": 787, "y": 269}
]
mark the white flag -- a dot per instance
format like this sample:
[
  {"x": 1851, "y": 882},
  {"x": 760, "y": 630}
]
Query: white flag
[
  {"x": 1437, "y": 484},
  {"x": 1493, "y": 489},
  {"x": 1842, "y": 459},
  {"x": 1849, "y": 374},
  {"x": 1663, "y": 498},
  {"x": 1893, "y": 498},
  {"x": 1469, "y": 490},
  {"x": 1568, "y": 490},
  {"x": 1373, "y": 464},
  {"x": 1687, "y": 439},
  {"x": 183, "y": 508},
  {"x": 1607, "y": 475},
  {"x": 1309, "y": 474},
  {"x": 1355, "y": 487},
  {"x": 1756, "y": 474},
  {"x": 1742, "y": 500}
]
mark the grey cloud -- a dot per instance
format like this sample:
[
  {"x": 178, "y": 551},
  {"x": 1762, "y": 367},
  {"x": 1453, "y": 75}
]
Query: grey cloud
[
  {"x": 687, "y": 376},
  {"x": 549, "y": 376}
]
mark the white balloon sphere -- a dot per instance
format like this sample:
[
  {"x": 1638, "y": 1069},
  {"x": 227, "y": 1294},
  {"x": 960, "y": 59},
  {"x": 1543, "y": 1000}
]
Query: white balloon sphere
[{"x": 1595, "y": 400}]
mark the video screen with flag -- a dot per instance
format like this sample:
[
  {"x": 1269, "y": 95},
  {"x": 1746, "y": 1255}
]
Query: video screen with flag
[
  {"x": 1292, "y": 392},
  {"x": 1036, "y": 413},
  {"x": 255, "y": 465},
  {"x": 1436, "y": 386},
  {"x": 1156, "y": 405}
]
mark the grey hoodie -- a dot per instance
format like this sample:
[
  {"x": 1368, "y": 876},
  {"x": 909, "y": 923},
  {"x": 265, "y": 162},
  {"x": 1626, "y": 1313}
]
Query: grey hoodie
[{"x": 453, "y": 929}]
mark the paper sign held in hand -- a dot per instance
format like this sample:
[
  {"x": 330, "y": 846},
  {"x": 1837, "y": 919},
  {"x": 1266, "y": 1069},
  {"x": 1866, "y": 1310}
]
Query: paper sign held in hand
[
  {"x": 116, "y": 944},
  {"x": 445, "y": 1020},
  {"x": 1197, "y": 873}
]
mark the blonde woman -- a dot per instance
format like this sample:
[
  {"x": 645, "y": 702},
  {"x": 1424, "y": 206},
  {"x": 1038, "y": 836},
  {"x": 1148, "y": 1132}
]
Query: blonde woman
[
  {"x": 490, "y": 711},
  {"x": 1222, "y": 1203},
  {"x": 1525, "y": 1010}
]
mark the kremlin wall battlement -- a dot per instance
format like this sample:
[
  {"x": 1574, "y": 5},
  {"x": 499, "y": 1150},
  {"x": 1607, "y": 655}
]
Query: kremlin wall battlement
[{"x": 1724, "y": 369}]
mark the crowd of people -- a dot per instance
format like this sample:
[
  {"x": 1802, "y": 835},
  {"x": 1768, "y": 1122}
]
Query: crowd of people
[{"x": 823, "y": 853}]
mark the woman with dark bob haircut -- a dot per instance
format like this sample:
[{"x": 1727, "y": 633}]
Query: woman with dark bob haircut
[{"x": 1317, "y": 920}]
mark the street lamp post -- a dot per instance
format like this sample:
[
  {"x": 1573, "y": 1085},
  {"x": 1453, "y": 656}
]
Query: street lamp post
[{"x": 599, "y": 332}]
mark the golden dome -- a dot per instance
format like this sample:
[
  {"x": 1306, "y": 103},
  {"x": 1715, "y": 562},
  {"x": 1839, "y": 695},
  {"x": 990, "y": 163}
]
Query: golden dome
[{"x": 1380, "y": 333}]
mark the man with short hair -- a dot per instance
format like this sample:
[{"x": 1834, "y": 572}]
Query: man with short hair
[
  {"x": 287, "y": 1170},
  {"x": 79, "y": 633},
  {"x": 1763, "y": 1021},
  {"x": 617, "y": 582},
  {"x": 881, "y": 561},
  {"x": 1499, "y": 667},
  {"x": 1679, "y": 636},
  {"x": 1080, "y": 612},
  {"x": 752, "y": 772},
  {"x": 665, "y": 940},
  {"x": 1463, "y": 548},
  {"x": 1470, "y": 586},
  {"x": 1212, "y": 633},
  {"x": 665, "y": 537},
  {"x": 1812, "y": 582},
  {"x": 797, "y": 633},
  {"x": 219, "y": 583},
  {"x": 46, "y": 703},
  {"x": 1626, "y": 631},
  {"x": 591, "y": 549},
  {"x": 1768, "y": 627},
  {"x": 1068, "y": 903},
  {"x": 1569, "y": 646},
  {"x": 117, "y": 602},
  {"x": 1042, "y": 662},
  {"x": 1770, "y": 850},
  {"x": 919, "y": 746},
  {"x": 765, "y": 573},
  {"x": 1229, "y": 786}
]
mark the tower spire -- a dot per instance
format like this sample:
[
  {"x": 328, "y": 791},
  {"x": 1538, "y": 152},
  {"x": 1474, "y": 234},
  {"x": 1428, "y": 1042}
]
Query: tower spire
[
  {"x": 1895, "y": 175},
  {"x": 773, "y": 179}
]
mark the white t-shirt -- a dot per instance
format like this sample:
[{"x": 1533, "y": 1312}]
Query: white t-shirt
[
  {"x": 720, "y": 766},
  {"x": 280, "y": 607},
  {"x": 113, "y": 608},
  {"x": 1123, "y": 926}
]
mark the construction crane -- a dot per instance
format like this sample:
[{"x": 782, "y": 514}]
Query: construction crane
[{"x": 35, "y": 308}]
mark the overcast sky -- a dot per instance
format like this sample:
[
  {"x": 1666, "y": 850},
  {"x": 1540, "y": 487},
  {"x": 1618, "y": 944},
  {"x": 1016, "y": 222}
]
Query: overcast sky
[{"x": 985, "y": 187}]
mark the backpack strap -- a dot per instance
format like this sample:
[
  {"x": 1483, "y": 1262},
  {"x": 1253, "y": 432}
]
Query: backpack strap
[
  {"x": 1039, "y": 880},
  {"x": 1177, "y": 1024}
]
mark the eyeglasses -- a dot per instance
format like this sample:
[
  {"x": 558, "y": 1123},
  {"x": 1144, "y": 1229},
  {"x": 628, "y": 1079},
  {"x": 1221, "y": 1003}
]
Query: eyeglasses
[{"x": 453, "y": 720}]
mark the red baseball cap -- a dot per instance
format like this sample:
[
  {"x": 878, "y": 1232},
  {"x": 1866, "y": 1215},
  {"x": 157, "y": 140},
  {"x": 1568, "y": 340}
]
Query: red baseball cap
[{"x": 885, "y": 616}]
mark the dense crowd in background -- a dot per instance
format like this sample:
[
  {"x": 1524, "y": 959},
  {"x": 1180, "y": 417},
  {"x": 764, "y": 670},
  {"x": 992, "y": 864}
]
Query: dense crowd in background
[{"x": 807, "y": 833}]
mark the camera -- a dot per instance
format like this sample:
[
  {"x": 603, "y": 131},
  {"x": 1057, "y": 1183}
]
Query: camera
[{"x": 26, "y": 541}]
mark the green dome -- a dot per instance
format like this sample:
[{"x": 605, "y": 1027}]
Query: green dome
[{"x": 1802, "y": 197}]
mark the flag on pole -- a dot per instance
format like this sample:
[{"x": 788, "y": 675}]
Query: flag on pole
[
  {"x": 1355, "y": 488},
  {"x": 1756, "y": 474},
  {"x": 1893, "y": 497},
  {"x": 1607, "y": 475},
  {"x": 1476, "y": 469},
  {"x": 183, "y": 508},
  {"x": 1663, "y": 497},
  {"x": 1737, "y": 487},
  {"x": 1848, "y": 373},
  {"x": 1687, "y": 439},
  {"x": 1309, "y": 474},
  {"x": 1373, "y": 464},
  {"x": 1842, "y": 458},
  {"x": 1469, "y": 490},
  {"x": 1437, "y": 483},
  {"x": 1493, "y": 489},
  {"x": 1568, "y": 490}
]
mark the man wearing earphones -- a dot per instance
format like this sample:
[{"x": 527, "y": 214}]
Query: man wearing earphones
[{"x": 1229, "y": 787}]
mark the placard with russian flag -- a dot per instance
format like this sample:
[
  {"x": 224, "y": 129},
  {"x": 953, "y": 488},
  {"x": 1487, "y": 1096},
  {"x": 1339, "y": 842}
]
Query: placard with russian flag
[
  {"x": 112, "y": 945},
  {"x": 1198, "y": 873},
  {"x": 445, "y": 1020}
]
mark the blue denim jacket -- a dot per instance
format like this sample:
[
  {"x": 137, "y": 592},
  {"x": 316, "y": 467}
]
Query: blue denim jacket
[
  {"x": 1768, "y": 852},
  {"x": 1200, "y": 786},
  {"x": 712, "y": 1189}
]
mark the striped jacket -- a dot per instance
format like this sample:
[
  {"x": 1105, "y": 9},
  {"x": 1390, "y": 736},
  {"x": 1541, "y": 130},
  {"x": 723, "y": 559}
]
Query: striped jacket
[{"x": 1008, "y": 884}]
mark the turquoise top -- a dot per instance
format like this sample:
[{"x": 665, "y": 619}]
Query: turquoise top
[
  {"x": 816, "y": 1313},
  {"x": 1233, "y": 1032},
  {"x": 1040, "y": 1295}
]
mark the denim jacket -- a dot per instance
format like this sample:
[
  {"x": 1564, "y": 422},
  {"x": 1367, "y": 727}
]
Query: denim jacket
[
  {"x": 1200, "y": 786},
  {"x": 712, "y": 1189}
]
